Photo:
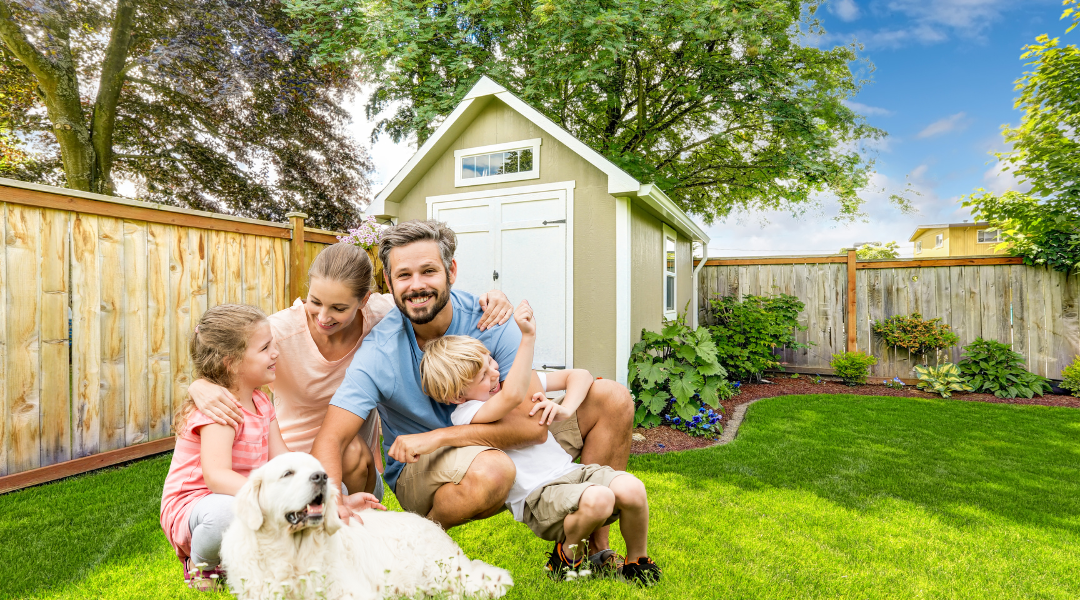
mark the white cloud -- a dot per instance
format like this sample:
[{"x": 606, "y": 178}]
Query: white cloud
[
  {"x": 846, "y": 10},
  {"x": 865, "y": 109},
  {"x": 999, "y": 181},
  {"x": 929, "y": 22},
  {"x": 387, "y": 156},
  {"x": 941, "y": 126}
]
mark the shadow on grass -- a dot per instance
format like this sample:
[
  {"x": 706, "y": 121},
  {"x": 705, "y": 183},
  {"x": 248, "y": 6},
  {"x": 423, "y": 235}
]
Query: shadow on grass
[{"x": 1018, "y": 462}]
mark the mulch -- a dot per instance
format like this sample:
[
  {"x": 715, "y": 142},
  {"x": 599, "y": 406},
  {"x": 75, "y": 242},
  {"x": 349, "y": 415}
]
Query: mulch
[{"x": 659, "y": 440}]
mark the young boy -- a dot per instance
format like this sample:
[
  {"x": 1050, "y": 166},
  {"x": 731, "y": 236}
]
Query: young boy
[{"x": 560, "y": 501}]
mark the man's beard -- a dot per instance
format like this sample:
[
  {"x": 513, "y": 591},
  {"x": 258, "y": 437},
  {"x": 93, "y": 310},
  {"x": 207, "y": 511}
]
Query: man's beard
[{"x": 427, "y": 314}]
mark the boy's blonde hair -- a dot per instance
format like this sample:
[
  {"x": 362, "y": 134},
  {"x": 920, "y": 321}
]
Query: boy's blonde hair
[{"x": 449, "y": 366}]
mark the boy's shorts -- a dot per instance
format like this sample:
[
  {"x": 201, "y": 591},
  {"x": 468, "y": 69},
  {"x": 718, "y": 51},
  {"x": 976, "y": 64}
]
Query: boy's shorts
[
  {"x": 418, "y": 482},
  {"x": 547, "y": 506}
]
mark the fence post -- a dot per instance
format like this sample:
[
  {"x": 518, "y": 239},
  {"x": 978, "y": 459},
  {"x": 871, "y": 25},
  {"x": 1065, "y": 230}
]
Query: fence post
[
  {"x": 297, "y": 257},
  {"x": 852, "y": 330}
]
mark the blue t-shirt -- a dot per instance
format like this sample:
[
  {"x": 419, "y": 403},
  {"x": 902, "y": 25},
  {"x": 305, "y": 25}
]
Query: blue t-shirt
[{"x": 385, "y": 373}]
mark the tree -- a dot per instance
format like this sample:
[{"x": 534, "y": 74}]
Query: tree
[
  {"x": 716, "y": 101},
  {"x": 203, "y": 103},
  {"x": 1042, "y": 225},
  {"x": 876, "y": 251}
]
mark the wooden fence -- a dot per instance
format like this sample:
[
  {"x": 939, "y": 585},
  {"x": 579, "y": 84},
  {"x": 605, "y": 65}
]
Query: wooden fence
[
  {"x": 98, "y": 296},
  {"x": 1033, "y": 308}
]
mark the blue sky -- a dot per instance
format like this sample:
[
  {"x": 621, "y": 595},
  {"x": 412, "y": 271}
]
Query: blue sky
[{"x": 942, "y": 87}]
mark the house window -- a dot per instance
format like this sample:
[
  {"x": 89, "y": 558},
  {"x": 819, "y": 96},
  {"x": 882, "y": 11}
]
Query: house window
[
  {"x": 918, "y": 247},
  {"x": 939, "y": 241},
  {"x": 669, "y": 274},
  {"x": 988, "y": 236},
  {"x": 513, "y": 161}
]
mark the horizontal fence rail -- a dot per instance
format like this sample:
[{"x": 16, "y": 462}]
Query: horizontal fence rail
[
  {"x": 1035, "y": 309},
  {"x": 98, "y": 297}
]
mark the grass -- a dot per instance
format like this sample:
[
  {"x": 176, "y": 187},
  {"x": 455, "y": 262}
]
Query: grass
[{"x": 819, "y": 497}]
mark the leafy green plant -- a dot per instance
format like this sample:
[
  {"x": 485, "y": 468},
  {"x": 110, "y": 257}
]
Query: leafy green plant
[
  {"x": 747, "y": 333},
  {"x": 852, "y": 367},
  {"x": 943, "y": 379},
  {"x": 915, "y": 334},
  {"x": 1071, "y": 377},
  {"x": 675, "y": 372},
  {"x": 992, "y": 367}
]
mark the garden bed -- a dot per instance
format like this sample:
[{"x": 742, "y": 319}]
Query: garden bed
[{"x": 659, "y": 440}]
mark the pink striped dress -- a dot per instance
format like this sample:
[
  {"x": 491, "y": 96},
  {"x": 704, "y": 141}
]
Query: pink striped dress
[{"x": 185, "y": 485}]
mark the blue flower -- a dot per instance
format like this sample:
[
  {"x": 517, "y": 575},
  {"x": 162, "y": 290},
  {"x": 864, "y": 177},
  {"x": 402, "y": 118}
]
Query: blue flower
[
  {"x": 661, "y": 445},
  {"x": 737, "y": 383}
]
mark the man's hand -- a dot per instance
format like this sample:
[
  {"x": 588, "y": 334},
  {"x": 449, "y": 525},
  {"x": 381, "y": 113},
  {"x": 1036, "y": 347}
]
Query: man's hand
[
  {"x": 409, "y": 448},
  {"x": 351, "y": 505},
  {"x": 549, "y": 411},
  {"x": 526, "y": 322}
]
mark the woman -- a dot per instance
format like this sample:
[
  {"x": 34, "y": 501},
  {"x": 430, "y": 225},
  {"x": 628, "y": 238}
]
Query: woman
[{"x": 317, "y": 339}]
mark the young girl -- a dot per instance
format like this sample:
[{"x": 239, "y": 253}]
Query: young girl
[{"x": 231, "y": 346}]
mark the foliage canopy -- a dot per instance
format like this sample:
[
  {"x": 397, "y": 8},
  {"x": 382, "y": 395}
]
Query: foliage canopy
[{"x": 716, "y": 101}]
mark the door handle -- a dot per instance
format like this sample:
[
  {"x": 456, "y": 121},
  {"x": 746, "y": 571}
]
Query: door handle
[{"x": 494, "y": 274}]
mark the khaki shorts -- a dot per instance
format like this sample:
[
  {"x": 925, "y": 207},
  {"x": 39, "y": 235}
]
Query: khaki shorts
[
  {"x": 418, "y": 482},
  {"x": 547, "y": 506}
]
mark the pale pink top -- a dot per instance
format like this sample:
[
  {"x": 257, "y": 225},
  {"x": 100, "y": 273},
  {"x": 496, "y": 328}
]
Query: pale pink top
[
  {"x": 306, "y": 381},
  {"x": 184, "y": 486}
]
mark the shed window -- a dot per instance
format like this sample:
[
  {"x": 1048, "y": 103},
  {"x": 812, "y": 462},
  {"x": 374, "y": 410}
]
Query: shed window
[
  {"x": 670, "y": 274},
  {"x": 512, "y": 161},
  {"x": 918, "y": 247},
  {"x": 939, "y": 241},
  {"x": 988, "y": 236}
]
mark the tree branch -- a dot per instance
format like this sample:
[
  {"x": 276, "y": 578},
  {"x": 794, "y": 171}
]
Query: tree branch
[
  {"x": 109, "y": 88},
  {"x": 21, "y": 47}
]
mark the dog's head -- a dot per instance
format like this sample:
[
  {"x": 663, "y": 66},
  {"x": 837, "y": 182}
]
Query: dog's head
[{"x": 290, "y": 493}]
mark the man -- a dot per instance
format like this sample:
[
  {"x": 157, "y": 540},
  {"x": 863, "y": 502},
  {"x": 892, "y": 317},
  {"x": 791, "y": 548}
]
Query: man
[{"x": 468, "y": 477}]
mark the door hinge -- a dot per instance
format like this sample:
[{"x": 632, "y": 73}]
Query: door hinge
[
  {"x": 554, "y": 222},
  {"x": 552, "y": 366},
  {"x": 494, "y": 274}
]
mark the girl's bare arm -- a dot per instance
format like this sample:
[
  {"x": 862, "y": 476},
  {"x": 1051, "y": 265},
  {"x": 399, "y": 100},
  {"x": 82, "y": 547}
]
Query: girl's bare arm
[{"x": 216, "y": 457}]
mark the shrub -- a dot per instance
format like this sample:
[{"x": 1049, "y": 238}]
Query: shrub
[
  {"x": 917, "y": 335},
  {"x": 852, "y": 367},
  {"x": 992, "y": 367},
  {"x": 1071, "y": 377},
  {"x": 943, "y": 379},
  {"x": 675, "y": 372},
  {"x": 747, "y": 333}
]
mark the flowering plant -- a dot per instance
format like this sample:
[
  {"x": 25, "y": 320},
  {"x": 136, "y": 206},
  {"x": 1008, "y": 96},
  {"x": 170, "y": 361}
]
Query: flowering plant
[
  {"x": 705, "y": 423},
  {"x": 894, "y": 383},
  {"x": 366, "y": 234}
]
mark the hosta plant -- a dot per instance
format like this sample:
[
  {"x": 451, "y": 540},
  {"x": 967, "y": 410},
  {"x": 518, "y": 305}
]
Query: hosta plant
[
  {"x": 943, "y": 379},
  {"x": 674, "y": 373},
  {"x": 1071, "y": 377},
  {"x": 993, "y": 368}
]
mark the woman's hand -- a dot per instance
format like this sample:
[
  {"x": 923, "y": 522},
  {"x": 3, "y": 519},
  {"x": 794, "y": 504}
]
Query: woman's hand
[
  {"x": 216, "y": 402},
  {"x": 549, "y": 411},
  {"x": 497, "y": 310}
]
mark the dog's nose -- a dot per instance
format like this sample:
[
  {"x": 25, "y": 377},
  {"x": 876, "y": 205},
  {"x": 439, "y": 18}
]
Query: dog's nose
[{"x": 318, "y": 478}]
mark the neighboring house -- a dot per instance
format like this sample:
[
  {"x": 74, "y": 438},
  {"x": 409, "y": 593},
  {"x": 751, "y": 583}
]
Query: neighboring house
[
  {"x": 955, "y": 239},
  {"x": 543, "y": 217}
]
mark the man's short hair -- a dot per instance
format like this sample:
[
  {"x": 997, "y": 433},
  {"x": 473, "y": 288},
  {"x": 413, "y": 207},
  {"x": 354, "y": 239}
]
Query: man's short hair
[
  {"x": 413, "y": 231},
  {"x": 449, "y": 365}
]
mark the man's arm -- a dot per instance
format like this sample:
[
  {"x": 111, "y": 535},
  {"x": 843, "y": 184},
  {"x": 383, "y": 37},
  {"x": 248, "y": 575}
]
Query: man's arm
[{"x": 338, "y": 428}]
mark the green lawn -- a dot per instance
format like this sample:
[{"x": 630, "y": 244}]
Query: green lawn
[{"x": 819, "y": 497}]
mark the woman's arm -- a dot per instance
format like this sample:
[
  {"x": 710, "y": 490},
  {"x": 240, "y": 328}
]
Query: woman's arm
[
  {"x": 277, "y": 443},
  {"x": 497, "y": 309},
  {"x": 215, "y": 454},
  {"x": 215, "y": 402}
]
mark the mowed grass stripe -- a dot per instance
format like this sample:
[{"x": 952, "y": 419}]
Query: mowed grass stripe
[{"x": 818, "y": 497}]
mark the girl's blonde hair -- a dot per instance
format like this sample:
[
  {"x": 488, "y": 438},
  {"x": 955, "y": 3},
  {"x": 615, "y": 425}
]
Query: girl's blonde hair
[
  {"x": 347, "y": 264},
  {"x": 449, "y": 365},
  {"x": 222, "y": 333}
]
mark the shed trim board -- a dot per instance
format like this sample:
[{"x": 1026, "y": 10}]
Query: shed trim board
[
  {"x": 565, "y": 191},
  {"x": 623, "y": 263}
]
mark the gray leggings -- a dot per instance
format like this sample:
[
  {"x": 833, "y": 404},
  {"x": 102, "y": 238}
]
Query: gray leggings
[{"x": 209, "y": 519}]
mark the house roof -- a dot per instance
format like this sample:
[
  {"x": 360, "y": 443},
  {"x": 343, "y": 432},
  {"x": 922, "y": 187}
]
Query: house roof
[
  {"x": 921, "y": 228},
  {"x": 620, "y": 183}
]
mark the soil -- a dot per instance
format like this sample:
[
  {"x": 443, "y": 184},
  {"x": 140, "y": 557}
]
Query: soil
[{"x": 659, "y": 440}]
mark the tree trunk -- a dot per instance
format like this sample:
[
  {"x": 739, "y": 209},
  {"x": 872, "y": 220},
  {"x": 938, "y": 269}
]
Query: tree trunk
[{"x": 109, "y": 88}]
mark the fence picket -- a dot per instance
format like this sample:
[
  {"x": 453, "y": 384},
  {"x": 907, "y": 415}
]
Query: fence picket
[
  {"x": 136, "y": 358},
  {"x": 111, "y": 265},
  {"x": 180, "y": 313},
  {"x": 24, "y": 350},
  {"x": 55, "y": 371},
  {"x": 86, "y": 336},
  {"x": 5, "y": 412},
  {"x": 160, "y": 330}
]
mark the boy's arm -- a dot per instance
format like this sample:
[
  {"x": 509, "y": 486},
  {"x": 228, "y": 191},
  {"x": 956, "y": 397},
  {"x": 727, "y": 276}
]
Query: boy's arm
[
  {"x": 215, "y": 454},
  {"x": 515, "y": 389},
  {"x": 277, "y": 443},
  {"x": 576, "y": 382}
]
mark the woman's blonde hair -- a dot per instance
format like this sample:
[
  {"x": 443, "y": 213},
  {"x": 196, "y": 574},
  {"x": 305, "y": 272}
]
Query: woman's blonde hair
[
  {"x": 347, "y": 264},
  {"x": 222, "y": 333},
  {"x": 449, "y": 366}
]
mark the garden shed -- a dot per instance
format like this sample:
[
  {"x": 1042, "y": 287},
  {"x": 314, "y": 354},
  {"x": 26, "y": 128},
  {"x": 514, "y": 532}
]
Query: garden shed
[{"x": 542, "y": 216}]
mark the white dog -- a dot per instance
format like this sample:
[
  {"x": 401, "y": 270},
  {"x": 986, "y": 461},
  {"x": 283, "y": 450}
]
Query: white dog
[{"x": 286, "y": 541}]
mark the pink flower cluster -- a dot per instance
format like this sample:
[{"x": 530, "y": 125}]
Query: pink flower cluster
[{"x": 366, "y": 235}]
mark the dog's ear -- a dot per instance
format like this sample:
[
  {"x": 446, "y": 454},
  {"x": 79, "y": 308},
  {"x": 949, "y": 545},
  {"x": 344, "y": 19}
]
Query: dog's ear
[
  {"x": 246, "y": 507},
  {"x": 330, "y": 519}
]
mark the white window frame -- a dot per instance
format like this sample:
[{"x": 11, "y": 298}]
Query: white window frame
[
  {"x": 939, "y": 241},
  {"x": 669, "y": 234},
  {"x": 980, "y": 233},
  {"x": 533, "y": 144},
  {"x": 918, "y": 247}
]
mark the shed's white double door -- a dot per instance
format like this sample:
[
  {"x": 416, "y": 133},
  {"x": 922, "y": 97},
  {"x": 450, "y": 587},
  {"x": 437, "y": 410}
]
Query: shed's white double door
[{"x": 517, "y": 243}]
